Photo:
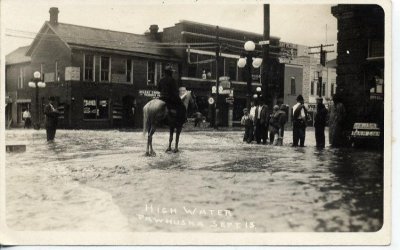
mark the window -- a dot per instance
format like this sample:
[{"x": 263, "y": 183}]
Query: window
[
  {"x": 332, "y": 89},
  {"x": 192, "y": 68},
  {"x": 293, "y": 86},
  {"x": 312, "y": 88},
  {"x": 129, "y": 68},
  {"x": 21, "y": 78},
  {"x": 323, "y": 89},
  {"x": 105, "y": 68},
  {"x": 151, "y": 73},
  {"x": 95, "y": 108},
  {"x": 88, "y": 67},
  {"x": 232, "y": 69}
]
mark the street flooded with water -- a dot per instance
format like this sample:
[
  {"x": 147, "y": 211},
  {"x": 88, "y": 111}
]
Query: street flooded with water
[{"x": 101, "y": 181}]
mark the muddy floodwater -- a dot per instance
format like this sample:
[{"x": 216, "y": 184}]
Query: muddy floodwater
[{"x": 101, "y": 181}]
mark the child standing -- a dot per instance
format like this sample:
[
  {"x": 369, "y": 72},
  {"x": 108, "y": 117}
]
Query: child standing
[{"x": 247, "y": 122}]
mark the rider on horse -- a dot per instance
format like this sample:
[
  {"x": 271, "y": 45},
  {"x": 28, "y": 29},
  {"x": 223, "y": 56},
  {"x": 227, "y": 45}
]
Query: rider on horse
[{"x": 169, "y": 93}]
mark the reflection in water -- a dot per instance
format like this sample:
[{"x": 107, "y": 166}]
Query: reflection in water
[{"x": 100, "y": 180}]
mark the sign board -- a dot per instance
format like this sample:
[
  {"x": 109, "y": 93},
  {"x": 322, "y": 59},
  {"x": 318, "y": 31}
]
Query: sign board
[
  {"x": 365, "y": 126},
  {"x": 118, "y": 78},
  {"x": 264, "y": 42},
  {"x": 255, "y": 77},
  {"x": 149, "y": 93},
  {"x": 211, "y": 101},
  {"x": 224, "y": 78},
  {"x": 72, "y": 74},
  {"x": 49, "y": 77},
  {"x": 214, "y": 89},
  {"x": 365, "y": 130},
  {"x": 229, "y": 100},
  {"x": 226, "y": 84}
]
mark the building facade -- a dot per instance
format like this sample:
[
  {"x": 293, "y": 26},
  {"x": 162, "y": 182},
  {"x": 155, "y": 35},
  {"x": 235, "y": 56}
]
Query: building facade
[
  {"x": 360, "y": 62},
  {"x": 18, "y": 97}
]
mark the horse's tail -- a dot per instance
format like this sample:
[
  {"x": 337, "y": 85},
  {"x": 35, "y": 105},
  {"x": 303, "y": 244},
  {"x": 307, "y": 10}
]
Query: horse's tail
[{"x": 145, "y": 120}]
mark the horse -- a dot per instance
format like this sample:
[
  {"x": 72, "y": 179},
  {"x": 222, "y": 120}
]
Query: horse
[{"x": 154, "y": 112}]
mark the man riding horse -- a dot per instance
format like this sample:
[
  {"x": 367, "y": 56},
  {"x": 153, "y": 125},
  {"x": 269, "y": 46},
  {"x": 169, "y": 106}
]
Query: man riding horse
[{"x": 169, "y": 93}]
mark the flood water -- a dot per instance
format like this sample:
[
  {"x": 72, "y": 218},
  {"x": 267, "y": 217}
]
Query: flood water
[{"x": 101, "y": 181}]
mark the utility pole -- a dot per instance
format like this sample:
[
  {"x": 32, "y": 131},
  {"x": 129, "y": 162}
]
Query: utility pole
[
  {"x": 217, "y": 55},
  {"x": 265, "y": 66},
  {"x": 322, "y": 60}
]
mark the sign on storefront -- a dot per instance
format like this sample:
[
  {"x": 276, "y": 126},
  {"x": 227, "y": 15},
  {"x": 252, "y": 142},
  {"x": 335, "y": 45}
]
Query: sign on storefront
[
  {"x": 149, "y": 93},
  {"x": 72, "y": 74},
  {"x": 365, "y": 130}
]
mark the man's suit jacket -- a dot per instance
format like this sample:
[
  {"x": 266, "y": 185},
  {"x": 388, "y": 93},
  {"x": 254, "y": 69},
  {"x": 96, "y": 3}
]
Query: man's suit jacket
[{"x": 264, "y": 116}]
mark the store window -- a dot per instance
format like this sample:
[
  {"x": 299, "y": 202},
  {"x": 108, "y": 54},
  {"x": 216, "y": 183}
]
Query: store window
[
  {"x": 312, "y": 88},
  {"x": 88, "y": 67},
  {"x": 105, "y": 69},
  {"x": 332, "y": 89},
  {"x": 293, "y": 86},
  {"x": 232, "y": 69},
  {"x": 323, "y": 89},
  {"x": 21, "y": 78},
  {"x": 95, "y": 108},
  {"x": 151, "y": 73}
]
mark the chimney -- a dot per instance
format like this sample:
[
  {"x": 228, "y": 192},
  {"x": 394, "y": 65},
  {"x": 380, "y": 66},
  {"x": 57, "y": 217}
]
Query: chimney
[
  {"x": 53, "y": 15},
  {"x": 154, "y": 31}
]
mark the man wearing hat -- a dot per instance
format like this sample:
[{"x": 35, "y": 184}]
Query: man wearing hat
[
  {"x": 320, "y": 123},
  {"x": 169, "y": 93},
  {"x": 299, "y": 122},
  {"x": 51, "y": 119}
]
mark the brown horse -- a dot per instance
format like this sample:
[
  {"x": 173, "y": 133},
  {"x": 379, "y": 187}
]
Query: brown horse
[{"x": 154, "y": 112}]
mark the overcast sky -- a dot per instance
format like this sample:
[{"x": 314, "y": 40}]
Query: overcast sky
[{"x": 301, "y": 24}]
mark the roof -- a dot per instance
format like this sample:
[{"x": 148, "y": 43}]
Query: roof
[
  {"x": 226, "y": 29},
  {"x": 331, "y": 63},
  {"x": 76, "y": 35},
  {"x": 18, "y": 56}
]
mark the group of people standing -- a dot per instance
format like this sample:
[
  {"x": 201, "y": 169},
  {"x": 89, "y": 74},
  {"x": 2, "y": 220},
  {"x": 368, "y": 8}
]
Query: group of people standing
[{"x": 259, "y": 121}]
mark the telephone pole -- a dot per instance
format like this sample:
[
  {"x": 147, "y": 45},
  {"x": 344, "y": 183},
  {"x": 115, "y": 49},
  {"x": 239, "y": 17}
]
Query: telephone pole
[
  {"x": 217, "y": 55},
  {"x": 265, "y": 66},
  {"x": 322, "y": 61}
]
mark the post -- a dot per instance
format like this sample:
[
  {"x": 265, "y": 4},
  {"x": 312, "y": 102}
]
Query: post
[
  {"x": 249, "y": 79},
  {"x": 37, "y": 124},
  {"x": 217, "y": 51},
  {"x": 265, "y": 65}
]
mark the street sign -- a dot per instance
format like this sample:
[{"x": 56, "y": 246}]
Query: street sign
[
  {"x": 211, "y": 101},
  {"x": 264, "y": 42},
  {"x": 229, "y": 100}
]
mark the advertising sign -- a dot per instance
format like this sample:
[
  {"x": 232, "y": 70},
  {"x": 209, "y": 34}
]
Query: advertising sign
[{"x": 72, "y": 74}]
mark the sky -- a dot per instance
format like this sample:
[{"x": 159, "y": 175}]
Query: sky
[{"x": 302, "y": 24}]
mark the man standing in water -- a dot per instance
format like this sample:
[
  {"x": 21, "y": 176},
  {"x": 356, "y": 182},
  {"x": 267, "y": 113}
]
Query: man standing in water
[
  {"x": 169, "y": 93},
  {"x": 299, "y": 122},
  {"x": 51, "y": 119},
  {"x": 320, "y": 123}
]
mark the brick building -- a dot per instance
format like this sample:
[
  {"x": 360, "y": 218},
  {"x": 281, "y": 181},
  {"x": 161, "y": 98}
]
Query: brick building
[
  {"x": 97, "y": 76},
  {"x": 18, "y": 96},
  {"x": 360, "y": 61}
]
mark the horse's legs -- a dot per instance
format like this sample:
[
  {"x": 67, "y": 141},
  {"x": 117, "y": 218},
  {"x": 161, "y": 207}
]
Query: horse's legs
[
  {"x": 178, "y": 133},
  {"x": 151, "y": 132},
  {"x": 171, "y": 138}
]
